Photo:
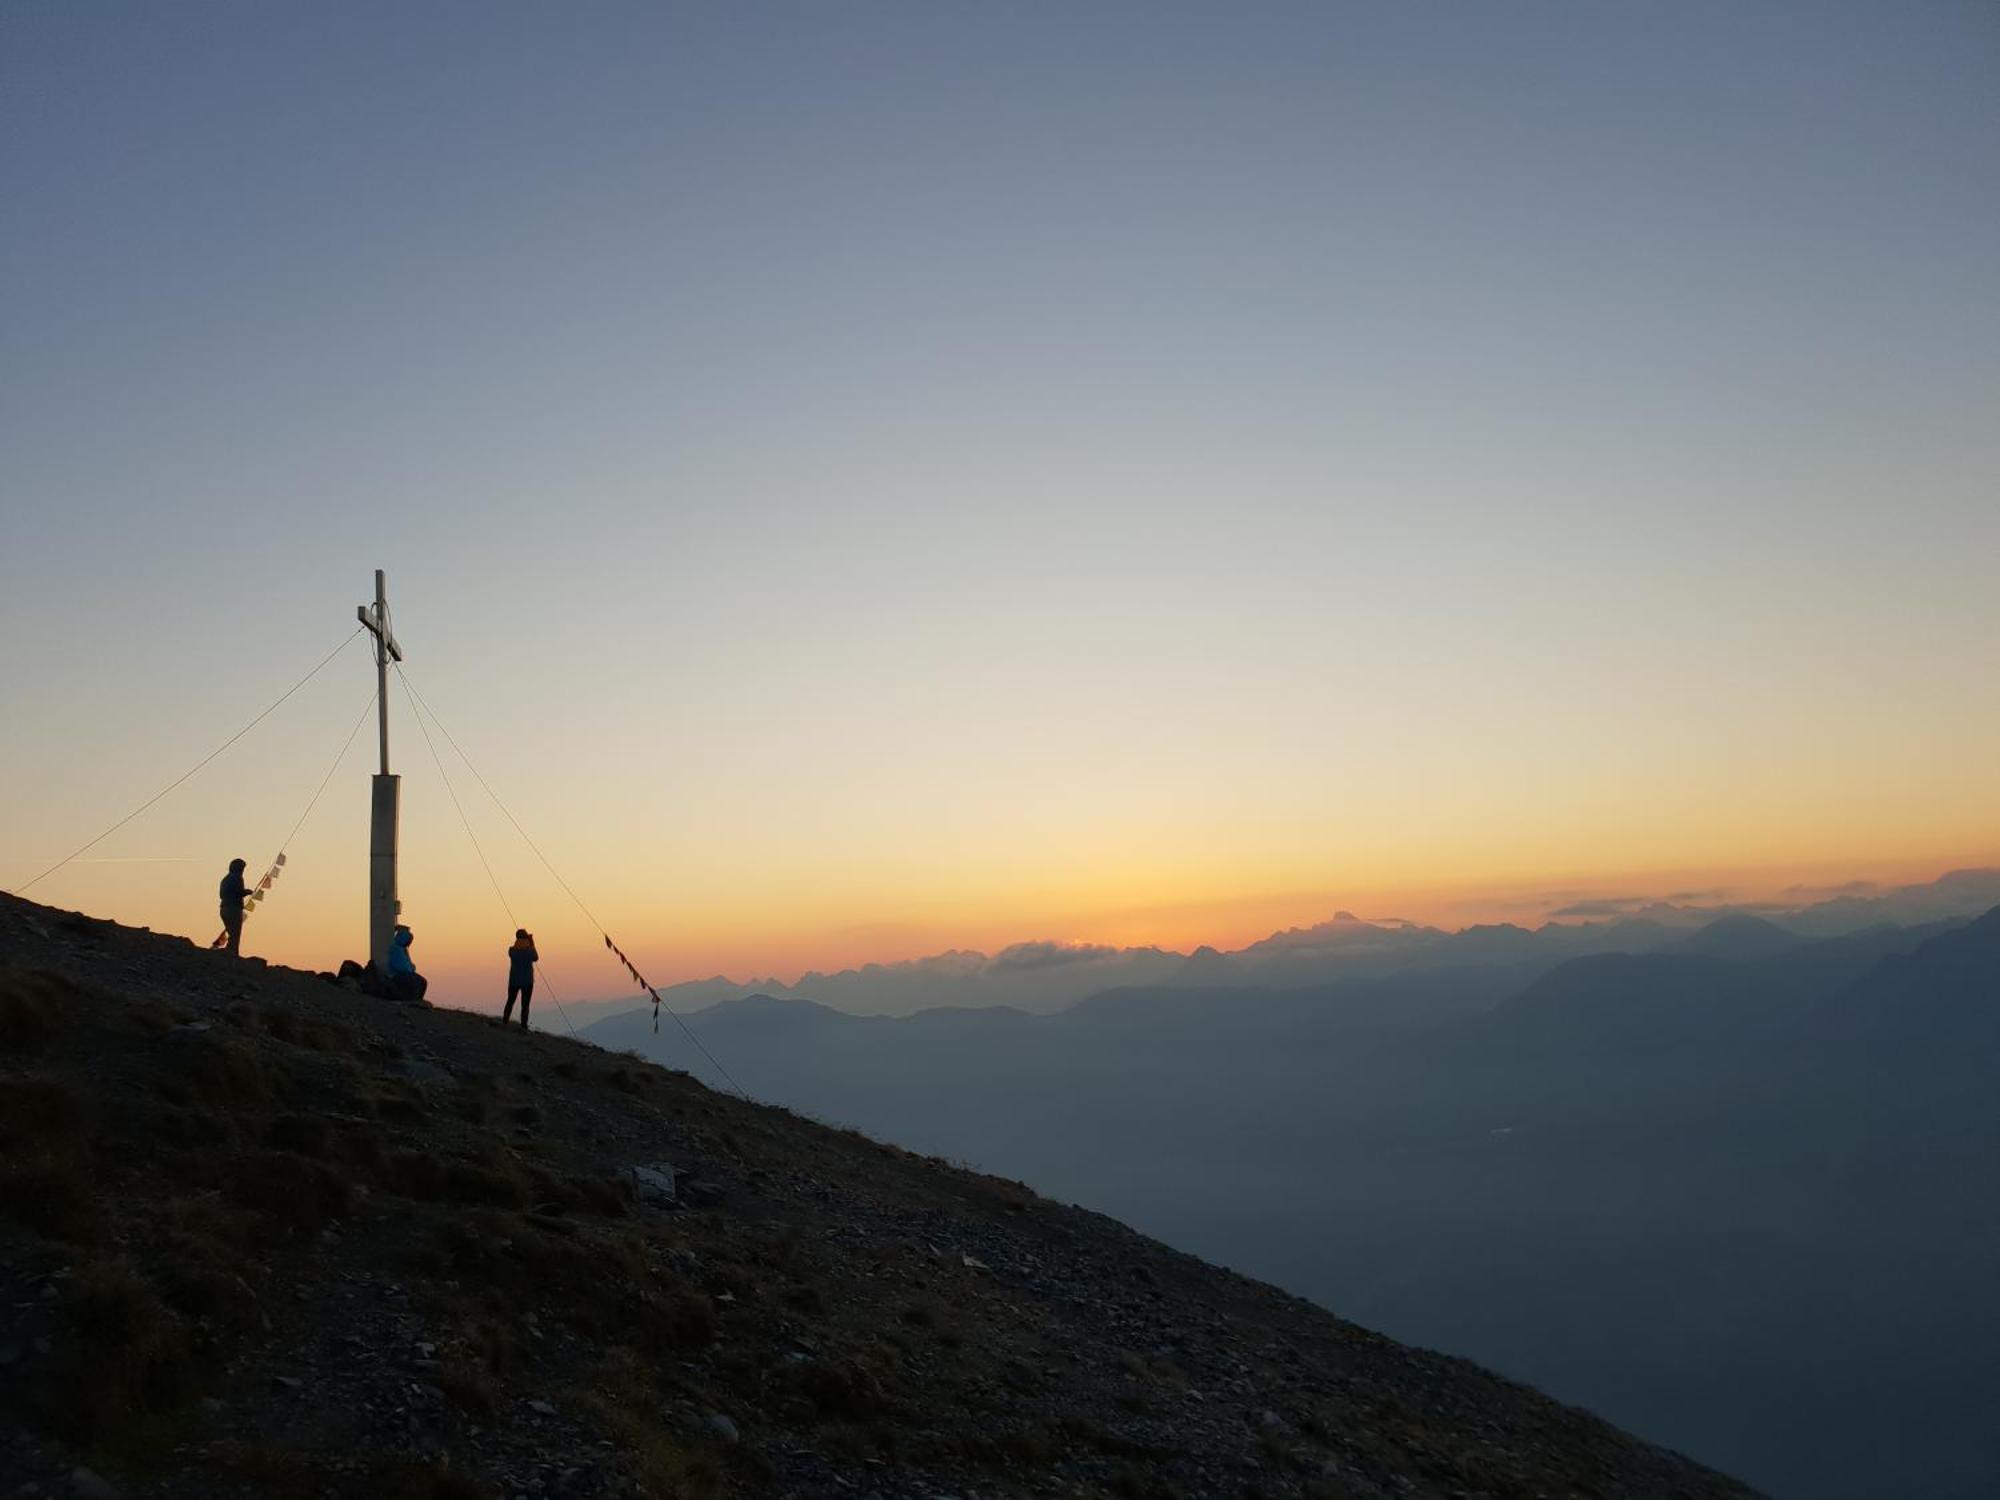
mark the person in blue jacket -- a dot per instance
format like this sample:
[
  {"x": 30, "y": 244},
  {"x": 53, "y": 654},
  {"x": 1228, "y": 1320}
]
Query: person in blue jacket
[
  {"x": 403, "y": 973},
  {"x": 521, "y": 960}
]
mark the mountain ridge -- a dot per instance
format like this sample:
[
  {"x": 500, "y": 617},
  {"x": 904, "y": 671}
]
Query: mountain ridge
[{"x": 1046, "y": 975}]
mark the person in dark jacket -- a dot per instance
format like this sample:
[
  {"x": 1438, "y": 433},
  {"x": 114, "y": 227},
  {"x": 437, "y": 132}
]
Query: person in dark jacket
[
  {"x": 234, "y": 893},
  {"x": 403, "y": 973},
  {"x": 521, "y": 960}
]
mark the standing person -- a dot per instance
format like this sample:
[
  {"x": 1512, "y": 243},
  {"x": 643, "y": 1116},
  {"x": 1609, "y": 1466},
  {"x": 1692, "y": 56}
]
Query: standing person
[
  {"x": 521, "y": 960},
  {"x": 234, "y": 893},
  {"x": 403, "y": 973}
]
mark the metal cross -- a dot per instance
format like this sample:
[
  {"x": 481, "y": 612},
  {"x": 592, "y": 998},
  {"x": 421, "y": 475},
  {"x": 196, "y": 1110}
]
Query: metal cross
[
  {"x": 384, "y": 905},
  {"x": 375, "y": 618}
]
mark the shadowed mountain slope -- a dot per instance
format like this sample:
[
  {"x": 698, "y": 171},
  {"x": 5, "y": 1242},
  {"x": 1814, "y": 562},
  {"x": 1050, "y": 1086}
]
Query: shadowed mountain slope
[
  {"x": 260, "y": 1234},
  {"x": 1695, "y": 994},
  {"x": 1945, "y": 991},
  {"x": 1738, "y": 935}
]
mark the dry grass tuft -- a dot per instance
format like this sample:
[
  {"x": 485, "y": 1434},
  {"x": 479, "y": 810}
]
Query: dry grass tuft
[
  {"x": 332, "y": 1036},
  {"x": 225, "y": 1073},
  {"x": 837, "y": 1391},
  {"x": 127, "y": 1353},
  {"x": 475, "y": 1182},
  {"x": 194, "y": 1127},
  {"x": 629, "y": 1080},
  {"x": 932, "y": 1314},
  {"x": 277, "y": 1470},
  {"x": 271, "y": 1469},
  {"x": 280, "y": 1025},
  {"x": 400, "y": 1104},
  {"x": 40, "y": 1111},
  {"x": 660, "y": 1325},
  {"x": 1153, "y": 1372},
  {"x": 665, "y": 1464},
  {"x": 469, "y": 1387},
  {"x": 150, "y": 1017},
  {"x": 299, "y": 1193},
  {"x": 45, "y": 1156},
  {"x": 32, "y": 1008},
  {"x": 414, "y": 1174},
  {"x": 302, "y": 1135},
  {"x": 52, "y": 1196}
]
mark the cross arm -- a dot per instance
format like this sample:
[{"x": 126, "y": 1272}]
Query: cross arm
[{"x": 379, "y": 628}]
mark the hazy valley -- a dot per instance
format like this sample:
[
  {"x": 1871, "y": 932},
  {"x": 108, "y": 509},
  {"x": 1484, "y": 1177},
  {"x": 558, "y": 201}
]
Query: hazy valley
[{"x": 1740, "y": 1191}]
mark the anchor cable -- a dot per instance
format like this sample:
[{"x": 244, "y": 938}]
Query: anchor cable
[
  {"x": 264, "y": 886},
  {"x": 679, "y": 1021},
  {"x": 23, "y": 889},
  {"x": 471, "y": 837},
  {"x": 327, "y": 779}
]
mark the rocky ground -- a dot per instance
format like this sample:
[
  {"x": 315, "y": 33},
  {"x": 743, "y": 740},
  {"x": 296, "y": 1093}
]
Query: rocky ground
[{"x": 263, "y": 1235}]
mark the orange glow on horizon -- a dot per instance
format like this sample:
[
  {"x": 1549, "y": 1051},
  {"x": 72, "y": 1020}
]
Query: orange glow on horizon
[{"x": 461, "y": 948}]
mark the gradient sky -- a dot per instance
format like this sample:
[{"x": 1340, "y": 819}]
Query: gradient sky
[{"x": 861, "y": 479}]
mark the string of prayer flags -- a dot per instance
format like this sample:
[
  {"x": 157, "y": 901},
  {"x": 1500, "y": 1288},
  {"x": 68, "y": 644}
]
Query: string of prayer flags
[
  {"x": 265, "y": 882},
  {"x": 637, "y": 978},
  {"x": 258, "y": 893}
]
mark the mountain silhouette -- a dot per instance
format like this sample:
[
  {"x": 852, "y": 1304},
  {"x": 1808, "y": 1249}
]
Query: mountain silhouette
[
  {"x": 1738, "y": 935},
  {"x": 1044, "y": 977},
  {"x": 1946, "y": 990}
]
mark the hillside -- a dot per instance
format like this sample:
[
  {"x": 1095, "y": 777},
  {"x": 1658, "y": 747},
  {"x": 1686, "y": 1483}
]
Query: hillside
[
  {"x": 260, "y": 1234},
  {"x": 1704, "y": 991},
  {"x": 1947, "y": 991}
]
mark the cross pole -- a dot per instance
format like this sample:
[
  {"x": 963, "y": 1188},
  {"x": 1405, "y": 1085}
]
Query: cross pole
[
  {"x": 383, "y": 905},
  {"x": 376, "y": 622}
]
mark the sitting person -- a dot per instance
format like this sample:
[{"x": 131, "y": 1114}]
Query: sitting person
[{"x": 403, "y": 975}]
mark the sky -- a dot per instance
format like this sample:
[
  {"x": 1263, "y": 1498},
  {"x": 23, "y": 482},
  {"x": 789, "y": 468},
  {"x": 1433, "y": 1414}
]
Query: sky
[{"x": 871, "y": 478}]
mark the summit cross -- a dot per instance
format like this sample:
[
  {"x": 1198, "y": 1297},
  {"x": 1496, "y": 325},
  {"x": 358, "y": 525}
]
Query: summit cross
[{"x": 383, "y": 905}]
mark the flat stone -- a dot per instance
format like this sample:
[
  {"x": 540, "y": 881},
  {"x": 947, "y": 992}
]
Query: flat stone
[{"x": 656, "y": 1183}]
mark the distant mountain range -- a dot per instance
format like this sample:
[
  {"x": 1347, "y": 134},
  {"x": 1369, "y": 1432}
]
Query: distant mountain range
[
  {"x": 1737, "y": 1185},
  {"x": 1043, "y": 977}
]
